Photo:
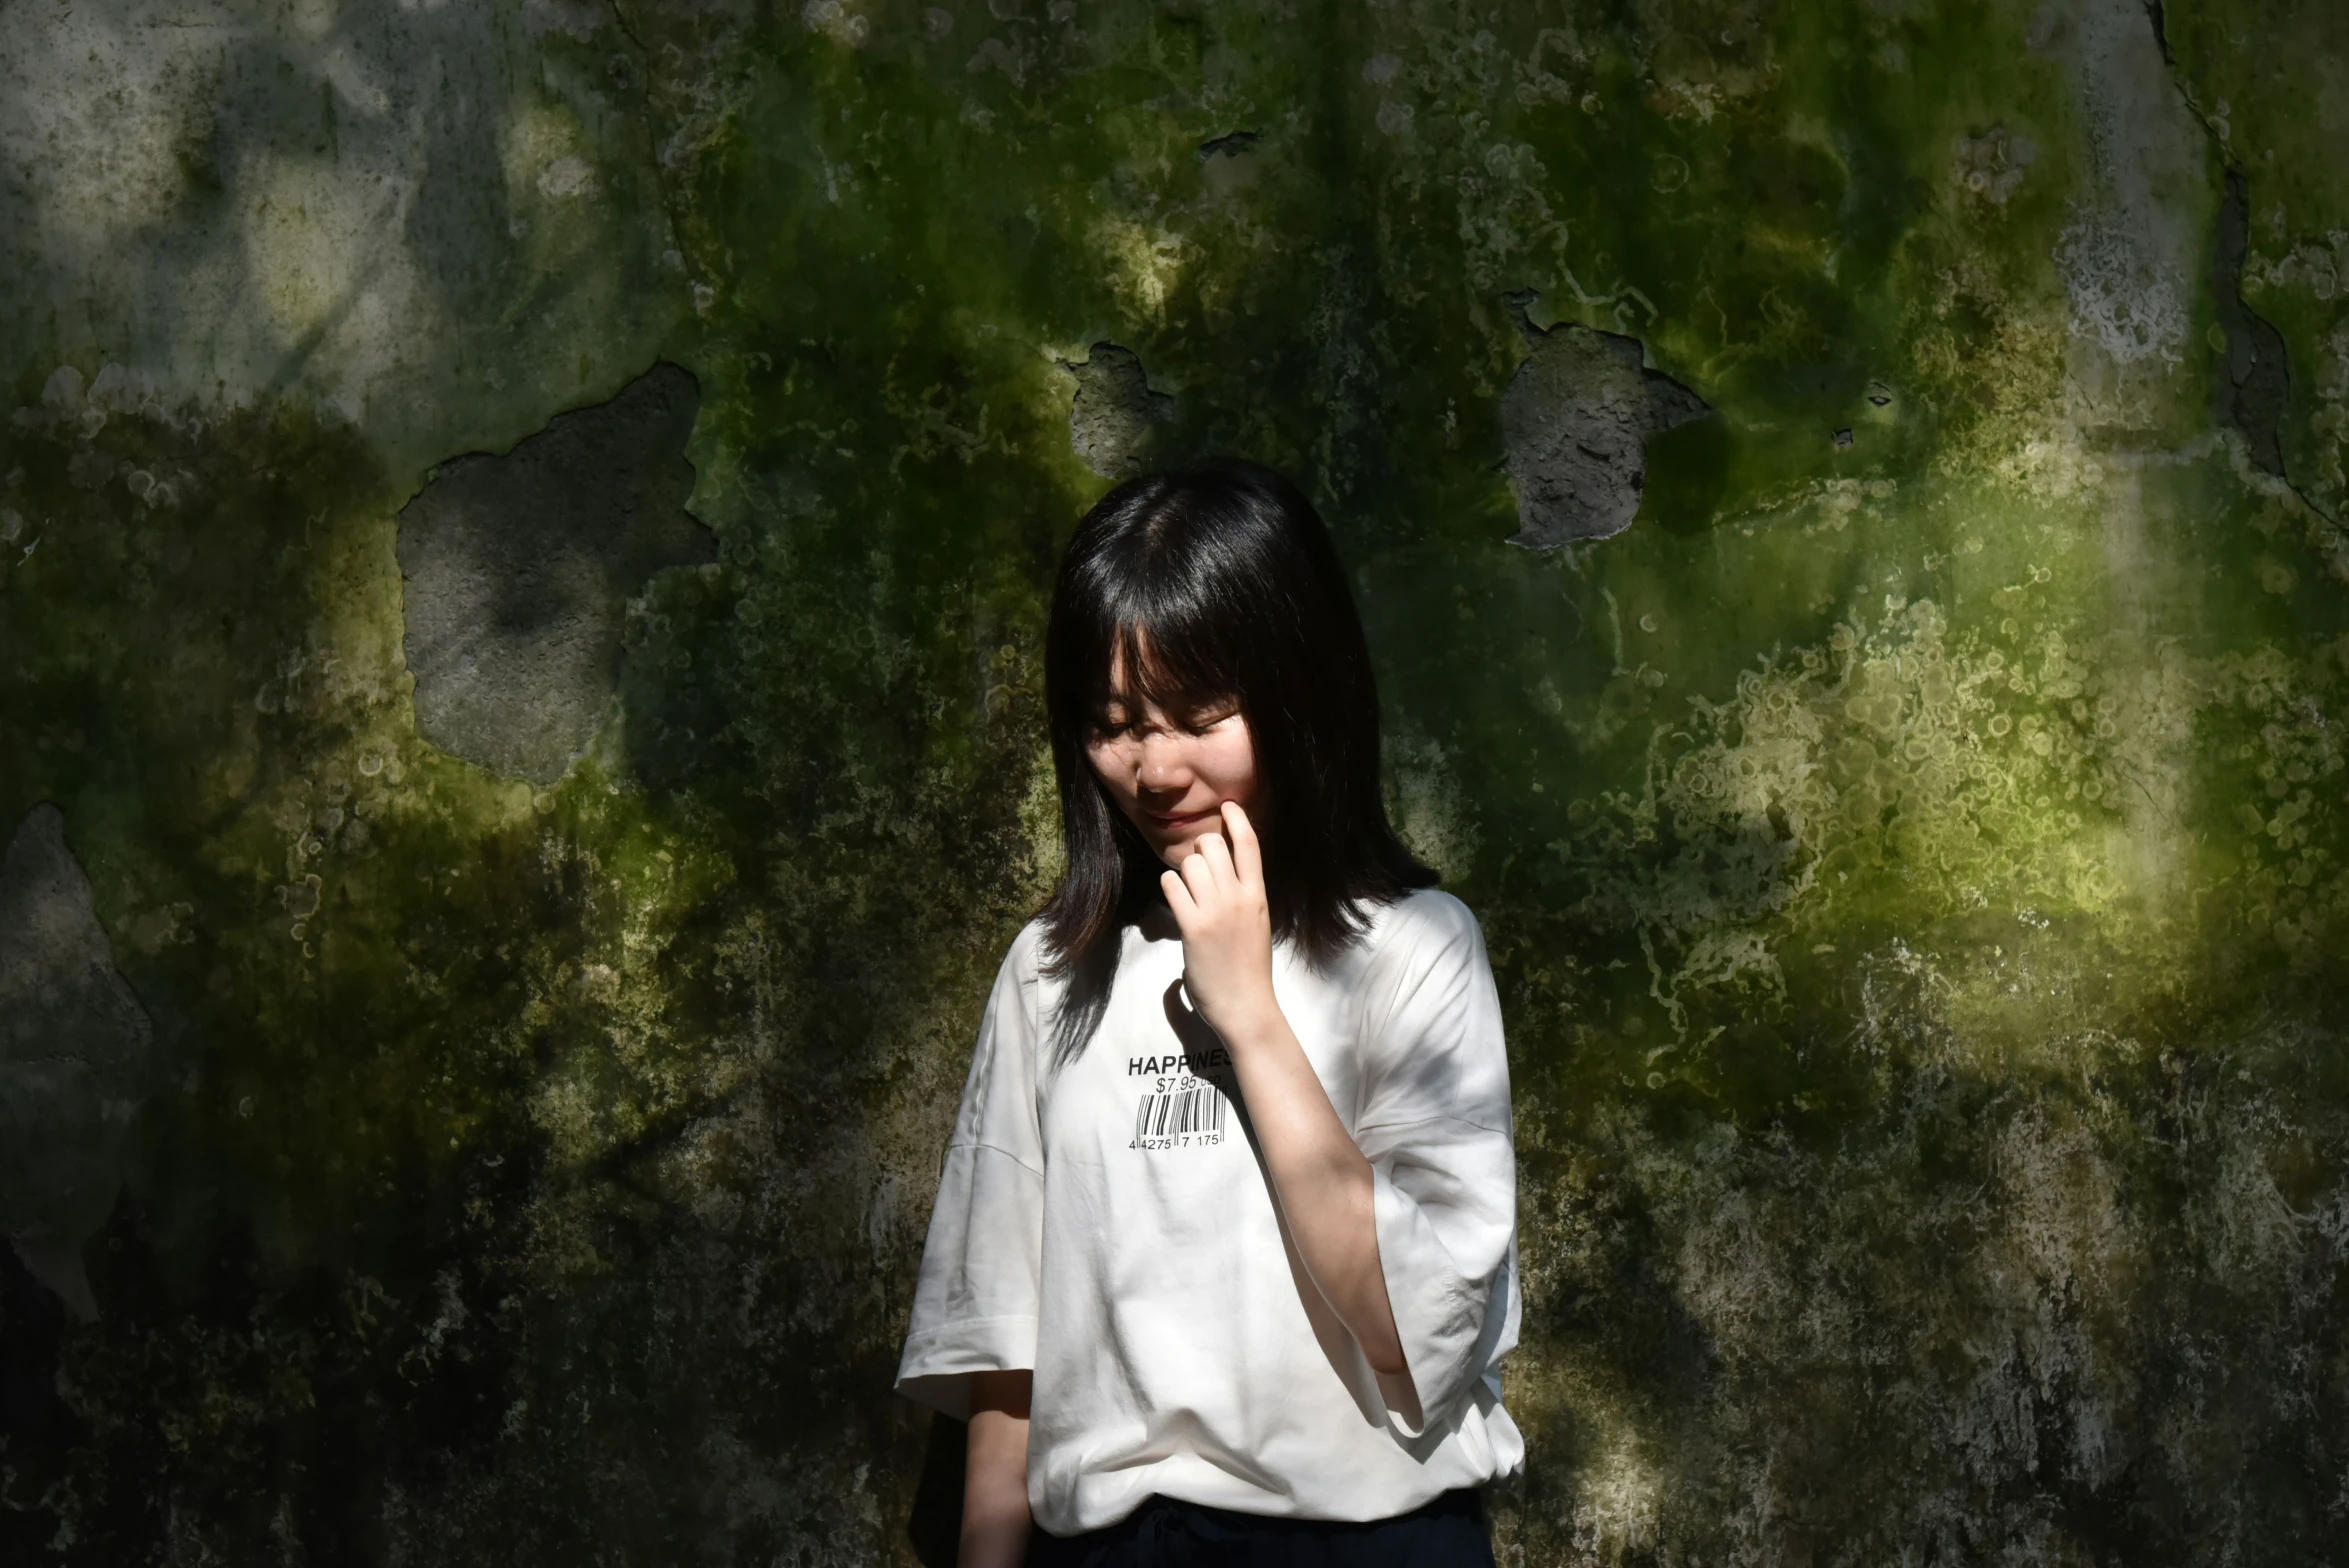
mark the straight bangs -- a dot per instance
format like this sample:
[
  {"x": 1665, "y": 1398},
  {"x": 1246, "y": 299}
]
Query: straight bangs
[
  {"x": 1190, "y": 590},
  {"x": 1159, "y": 622}
]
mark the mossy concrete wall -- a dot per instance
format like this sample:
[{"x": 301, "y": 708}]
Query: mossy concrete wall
[{"x": 1846, "y": 494}]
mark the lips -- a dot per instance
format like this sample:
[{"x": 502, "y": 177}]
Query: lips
[{"x": 1174, "y": 822}]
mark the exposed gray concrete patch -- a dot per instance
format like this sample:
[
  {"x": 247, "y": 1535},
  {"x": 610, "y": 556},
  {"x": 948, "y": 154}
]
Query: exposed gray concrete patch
[
  {"x": 1576, "y": 418},
  {"x": 517, "y": 571},
  {"x": 1115, "y": 413},
  {"x": 335, "y": 206},
  {"x": 2130, "y": 255},
  {"x": 74, "y": 1049}
]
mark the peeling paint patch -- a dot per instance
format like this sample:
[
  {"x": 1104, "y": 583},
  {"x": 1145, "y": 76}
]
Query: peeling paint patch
[
  {"x": 1576, "y": 418},
  {"x": 1115, "y": 415},
  {"x": 516, "y": 571}
]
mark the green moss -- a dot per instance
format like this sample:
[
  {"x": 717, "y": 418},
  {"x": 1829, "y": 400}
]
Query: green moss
[{"x": 1912, "y": 866}]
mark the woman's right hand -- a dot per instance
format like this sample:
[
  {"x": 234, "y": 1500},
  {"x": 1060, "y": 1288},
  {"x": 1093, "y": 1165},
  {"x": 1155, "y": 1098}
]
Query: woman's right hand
[{"x": 995, "y": 1519}]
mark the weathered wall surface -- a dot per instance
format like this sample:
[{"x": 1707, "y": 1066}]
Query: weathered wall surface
[{"x": 523, "y": 533}]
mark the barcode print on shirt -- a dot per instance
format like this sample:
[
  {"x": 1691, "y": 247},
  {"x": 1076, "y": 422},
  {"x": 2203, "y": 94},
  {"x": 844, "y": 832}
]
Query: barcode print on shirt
[{"x": 1179, "y": 1112}]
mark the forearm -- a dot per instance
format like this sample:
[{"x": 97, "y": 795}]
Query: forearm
[
  {"x": 1322, "y": 1182},
  {"x": 1325, "y": 1189},
  {"x": 995, "y": 1519}
]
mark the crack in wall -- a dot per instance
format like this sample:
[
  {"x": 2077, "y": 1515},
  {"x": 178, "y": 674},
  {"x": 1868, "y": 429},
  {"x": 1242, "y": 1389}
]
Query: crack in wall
[
  {"x": 2256, "y": 390},
  {"x": 2161, "y": 32},
  {"x": 641, "y": 88},
  {"x": 2254, "y": 396}
]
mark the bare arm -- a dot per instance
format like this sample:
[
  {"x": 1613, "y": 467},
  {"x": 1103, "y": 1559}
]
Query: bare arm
[
  {"x": 995, "y": 1519},
  {"x": 1322, "y": 1181},
  {"x": 1319, "y": 1177}
]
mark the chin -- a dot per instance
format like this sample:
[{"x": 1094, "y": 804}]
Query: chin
[{"x": 1172, "y": 855}]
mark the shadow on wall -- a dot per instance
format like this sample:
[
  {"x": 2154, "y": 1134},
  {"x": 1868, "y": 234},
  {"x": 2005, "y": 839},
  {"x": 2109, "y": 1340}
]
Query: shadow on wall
[
  {"x": 934, "y": 1527},
  {"x": 75, "y": 1056}
]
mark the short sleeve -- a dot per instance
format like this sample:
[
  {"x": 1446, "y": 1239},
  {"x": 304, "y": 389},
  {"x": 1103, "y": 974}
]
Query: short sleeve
[
  {"x": 1434, "y": 1124},
  {"x": 975, "y": 1299}
]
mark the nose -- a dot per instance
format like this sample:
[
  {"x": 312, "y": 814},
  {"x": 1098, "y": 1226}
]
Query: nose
[{"x": 1163, "y": 769}]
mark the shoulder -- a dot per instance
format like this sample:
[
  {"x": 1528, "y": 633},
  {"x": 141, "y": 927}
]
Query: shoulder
[
  {"x": 1025, "y": 956},
  {"x": 1024, "y": 962},
  {"x": 1020, "y": 974},
  {"x": 1423, "y": 943},
  {"x": 1423, "y": 920},
  {"x": 1430, "y": 1022}
]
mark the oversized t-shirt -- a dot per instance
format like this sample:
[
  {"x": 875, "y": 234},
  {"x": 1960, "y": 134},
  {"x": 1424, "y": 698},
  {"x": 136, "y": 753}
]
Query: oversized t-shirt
[{"x": 1107, "y": 1223}]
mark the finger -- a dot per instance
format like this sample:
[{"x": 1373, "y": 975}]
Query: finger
[
  {"x": 1218, "y": 856},
  {"x": 1198, "y": 876},
  {"x": 1178, "y": 898},
  {"x": 1247, "y": 853}
]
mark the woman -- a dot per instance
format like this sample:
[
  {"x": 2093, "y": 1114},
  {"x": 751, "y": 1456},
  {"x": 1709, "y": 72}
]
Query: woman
[{"x": 1223, "y": 1257}]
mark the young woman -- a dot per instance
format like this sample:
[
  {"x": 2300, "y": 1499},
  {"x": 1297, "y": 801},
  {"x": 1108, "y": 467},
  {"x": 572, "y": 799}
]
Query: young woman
[{"x": 1224, "y": 1253}]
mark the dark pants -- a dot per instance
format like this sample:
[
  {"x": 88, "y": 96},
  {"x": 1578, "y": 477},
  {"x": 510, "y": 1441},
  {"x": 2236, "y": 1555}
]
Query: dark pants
[{"x": 1162, "y": 1533}]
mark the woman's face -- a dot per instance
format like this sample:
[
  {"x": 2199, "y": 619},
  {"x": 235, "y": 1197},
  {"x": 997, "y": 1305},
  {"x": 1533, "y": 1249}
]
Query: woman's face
[{"x": 1171, "y": 773}]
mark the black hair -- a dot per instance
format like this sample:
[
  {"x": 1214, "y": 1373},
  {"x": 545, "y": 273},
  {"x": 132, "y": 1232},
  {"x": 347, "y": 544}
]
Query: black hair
[{"x": 1226, "y": 570}]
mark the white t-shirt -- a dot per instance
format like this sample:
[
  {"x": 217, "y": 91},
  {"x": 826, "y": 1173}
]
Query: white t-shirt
[{"x": 1107, "y": 1224}]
